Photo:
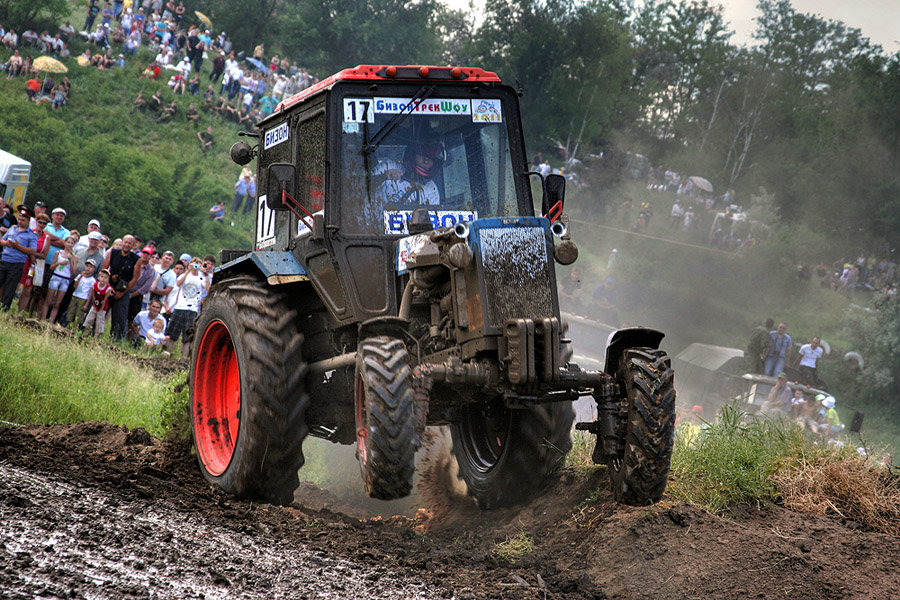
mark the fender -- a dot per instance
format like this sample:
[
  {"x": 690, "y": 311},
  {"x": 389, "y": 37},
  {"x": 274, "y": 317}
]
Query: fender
[
  {"x": 631, "y": 337},
  {"x": 275, "y": 267}
]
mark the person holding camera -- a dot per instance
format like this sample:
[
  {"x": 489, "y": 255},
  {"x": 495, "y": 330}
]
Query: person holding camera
[
  {"x": 193, "y": 285},
  {"x": 121, "y": 266}
]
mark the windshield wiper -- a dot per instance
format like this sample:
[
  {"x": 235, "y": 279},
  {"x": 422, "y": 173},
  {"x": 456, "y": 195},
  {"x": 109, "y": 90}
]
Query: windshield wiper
[{"x": 371, "y": 145}]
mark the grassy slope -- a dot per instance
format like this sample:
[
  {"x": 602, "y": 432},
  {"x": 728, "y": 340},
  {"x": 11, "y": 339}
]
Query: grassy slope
[
  {"x": 49, "y": 379},
  {"x": 100, "y": 158}
]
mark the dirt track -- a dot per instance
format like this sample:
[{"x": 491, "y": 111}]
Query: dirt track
[{"x": 94, "y": 511}]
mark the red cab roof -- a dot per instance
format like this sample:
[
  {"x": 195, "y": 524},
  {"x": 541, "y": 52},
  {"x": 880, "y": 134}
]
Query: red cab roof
[{"x": 393, "y": 73}]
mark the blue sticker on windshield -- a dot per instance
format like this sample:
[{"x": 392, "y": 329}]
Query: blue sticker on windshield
[{"x": 395, "y": 220}]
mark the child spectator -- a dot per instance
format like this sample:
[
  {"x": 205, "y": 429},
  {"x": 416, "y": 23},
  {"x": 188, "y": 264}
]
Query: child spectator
[
  {"x": 63, "y": 267},
  {"x": 156, "y": 337},
  {"x": 98, "y": 302},
  {"x": 143, "y": 321},
  {"x": 83, "y": 284}
]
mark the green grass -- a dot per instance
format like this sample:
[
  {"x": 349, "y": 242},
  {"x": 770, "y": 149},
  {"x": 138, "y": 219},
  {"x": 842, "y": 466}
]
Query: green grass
[
  {"x": 49, "y": 380},
  {"x": 733, "y": 460}
]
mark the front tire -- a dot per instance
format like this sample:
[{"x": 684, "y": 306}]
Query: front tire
[
  {"x": 506, "y": 455},
  {"x": 248, "y": 400},
  {"x": 638, "y": 473},
  {"x": 385, "y": 418}
]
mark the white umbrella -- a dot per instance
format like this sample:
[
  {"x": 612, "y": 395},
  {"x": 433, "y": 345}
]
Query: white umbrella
[{"x": 702, "y": 183}]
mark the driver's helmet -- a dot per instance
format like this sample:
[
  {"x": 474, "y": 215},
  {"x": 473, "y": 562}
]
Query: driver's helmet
[{"x": 432, "y": 150}]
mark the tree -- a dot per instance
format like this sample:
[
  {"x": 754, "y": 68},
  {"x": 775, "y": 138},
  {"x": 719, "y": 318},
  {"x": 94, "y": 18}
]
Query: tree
[
  {"x": 877, "y": 338},
  {"x": 18, "y": 14},
  {"x": 248, "y": 22},
  {"x": 682, "y": 59},
  {"x": 571, "y": 59},
  {"x": 330, "y": 35}
]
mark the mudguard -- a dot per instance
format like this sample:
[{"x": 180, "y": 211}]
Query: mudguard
[
  {"x": 276, "y": 267},
  {"x": 631, "y": 337}
]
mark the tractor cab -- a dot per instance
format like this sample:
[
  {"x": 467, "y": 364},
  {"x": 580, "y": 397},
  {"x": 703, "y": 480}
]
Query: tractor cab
[{"x": 343, "y": 165}]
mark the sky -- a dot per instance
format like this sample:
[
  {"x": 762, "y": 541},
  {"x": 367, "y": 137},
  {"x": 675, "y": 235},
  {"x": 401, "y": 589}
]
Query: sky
[{"x": 879, "y": 20}]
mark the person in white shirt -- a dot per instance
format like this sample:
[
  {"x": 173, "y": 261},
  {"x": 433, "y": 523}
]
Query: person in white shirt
[
  {"x": 808, "y": 360},
  {"x": 416, "y": 185}
]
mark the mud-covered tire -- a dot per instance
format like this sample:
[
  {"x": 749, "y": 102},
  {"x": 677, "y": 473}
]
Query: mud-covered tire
[
  {"x": 638, "y": 475},
  {"x": 385, "y": 418},
  {"x": 248, "y": 400},
  {"x": 505, "y": 456}
]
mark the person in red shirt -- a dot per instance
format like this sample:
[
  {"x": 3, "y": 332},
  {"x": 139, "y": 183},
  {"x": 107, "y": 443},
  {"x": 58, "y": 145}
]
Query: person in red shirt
[
  {"x": 98, "y": 302},
  {"x": 32, "y": 88}
]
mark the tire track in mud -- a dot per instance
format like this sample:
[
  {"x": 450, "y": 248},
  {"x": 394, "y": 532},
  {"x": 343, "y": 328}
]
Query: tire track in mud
[{"x": 62, "y": 539}]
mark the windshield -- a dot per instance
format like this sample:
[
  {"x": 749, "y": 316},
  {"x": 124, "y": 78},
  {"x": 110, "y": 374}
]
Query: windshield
[{"x": 450, "y": 155}]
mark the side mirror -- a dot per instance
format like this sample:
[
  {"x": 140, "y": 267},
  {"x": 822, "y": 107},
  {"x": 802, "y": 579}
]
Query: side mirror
[
  {"x": 281, "y": 177},
  {"x": 554, "y": 196}
]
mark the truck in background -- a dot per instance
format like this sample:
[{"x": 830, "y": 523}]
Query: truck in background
[{"x": 15, "y": 175}]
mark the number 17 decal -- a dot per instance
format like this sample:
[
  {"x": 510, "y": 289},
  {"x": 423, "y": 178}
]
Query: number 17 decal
[
  {"x": 265, "y": 223},
  {"x": 358, "y": 110}
]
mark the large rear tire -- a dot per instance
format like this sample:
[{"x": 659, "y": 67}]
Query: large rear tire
[
  {"x": 248, "y": 400},
  {"x": 506, "y": 455},
  {"x": 638, "y": 474},
  {"x": 385, "y": 418}
]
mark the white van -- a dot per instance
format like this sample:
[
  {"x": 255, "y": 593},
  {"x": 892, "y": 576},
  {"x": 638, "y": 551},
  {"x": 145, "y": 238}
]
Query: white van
[{"x": 15, "y": 174}]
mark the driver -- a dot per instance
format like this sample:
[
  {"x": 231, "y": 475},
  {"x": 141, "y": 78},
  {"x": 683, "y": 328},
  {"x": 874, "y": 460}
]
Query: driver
[{"x": 415, "y": 183}]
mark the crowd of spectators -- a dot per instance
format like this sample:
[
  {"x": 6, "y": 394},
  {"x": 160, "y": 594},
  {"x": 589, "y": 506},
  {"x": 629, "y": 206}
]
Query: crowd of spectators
[
  {"x": 877, "y": 273},
  {"x": 238, "y": 86},
  {"x": 84, "y": 281}
]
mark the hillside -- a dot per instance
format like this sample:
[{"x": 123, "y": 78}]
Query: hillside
[{"x": 99, "y": 157}]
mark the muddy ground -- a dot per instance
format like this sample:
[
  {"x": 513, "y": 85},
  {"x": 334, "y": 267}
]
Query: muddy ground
[{"x": 96, "y": 511}]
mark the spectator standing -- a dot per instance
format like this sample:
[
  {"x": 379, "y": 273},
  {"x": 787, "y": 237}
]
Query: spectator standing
[
  {"x": 56, "y": 232},
  {"x": 169, "y": 301},
  {"x": 18, "y": 243},
  {"x": 218, "y": 67},
  {"x": 250, "y": 202},
  {"x": 676, "y": 216},
  {"x": 84, "y": 241},
  {"x": 35, "y": 264},
  {"x": 83, "y": 284},
  {"x": 144, "y": 275},
  {"x": 779, "y": 350},
  {"x": 193, "y": 284},
  {"x": 808, "y": 360},
  {"x": 755, "y": 354},
  {"x": 92, "y": 11},
  {"x": 121, "y": 266},
  {"x": 240, "y": 190},
  {"x": 63, "y": 267},
  {"x": 98, "y": 304},
  {"x": 164, "y": 282}
]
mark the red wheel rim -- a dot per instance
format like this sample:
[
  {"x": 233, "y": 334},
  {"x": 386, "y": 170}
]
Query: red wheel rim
[
  {"x": 217, "y": 398},
  {"x": 362, "y": 429}
]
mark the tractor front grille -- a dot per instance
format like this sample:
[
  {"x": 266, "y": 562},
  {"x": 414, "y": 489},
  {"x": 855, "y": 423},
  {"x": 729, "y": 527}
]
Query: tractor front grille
[{"x": 517, "y": 276}]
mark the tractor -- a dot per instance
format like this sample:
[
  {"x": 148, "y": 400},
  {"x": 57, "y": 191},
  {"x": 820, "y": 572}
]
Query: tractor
[{"x": 400, "y": 279}]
